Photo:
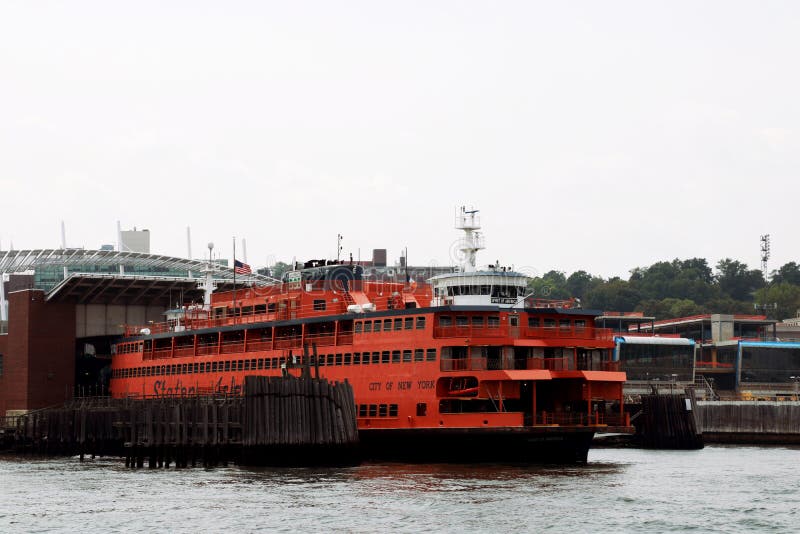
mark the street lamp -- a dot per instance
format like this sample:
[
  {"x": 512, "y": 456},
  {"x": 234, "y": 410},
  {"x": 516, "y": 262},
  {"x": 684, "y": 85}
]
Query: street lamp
[{"x": 795, "y": 383}]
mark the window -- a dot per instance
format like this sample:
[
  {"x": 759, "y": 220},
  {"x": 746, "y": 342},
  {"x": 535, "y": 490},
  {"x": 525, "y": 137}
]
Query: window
[
  {"x": 260, "y": 309},
  {"x": 580, "y": 324},
  {"x": 376, "y": 357},
  {"x": 271, "y": 307},
  {"x": 513, "y": 320},
  {"x": 339, "y": 359},
  {"x": 392, "y": 410},
  {"x": 261, "y": 363},
  {"x": 358, "y": 327},
  {"x": 409, "y": 323},
  {"x": 420, "y": 323},
  {"x": 377, "y": 326},
  {"x": 395, "y": 356},
  {"x": 362, "y": 410},
  {"x": 319, "y": 304},
  {"x": 398, "y": 324},
  {"x": 406, "y": 356},
  {"x": 247, "y": 365},
  {"x": 367, "y": 326},
  {"x": 445, "y": 320},
  {"x": 385, "y": 356},
  {"x": 549, "y": 323},
  {"x": 422, "y": 409},
  {"x": 373, "y": 410},
  {"x": 227, "y": 365},
  {"x": 430, "y": 355},
  {"x": 330, "y": 359},
  {"x": 461, "y": 320},
  {"x": 240, "y": 365},
  {"x": 493, "y": 321},
  {"x": 533, "y": 322},
  {"x": 387, "y": 325},
  {"x": 348, "y": 358},
  {"x": 356, "y": 358},
  {"x": 477, "y": 321},
  {"x": 383, "y": 410},
  {"x": 419, "y": 355},
  {"x": 563, "y": 324}
]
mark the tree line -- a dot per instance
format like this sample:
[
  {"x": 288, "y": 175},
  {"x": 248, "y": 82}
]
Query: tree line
[
  {"x": 679, "y": 288},
  {"x": 674, "y": 288}
]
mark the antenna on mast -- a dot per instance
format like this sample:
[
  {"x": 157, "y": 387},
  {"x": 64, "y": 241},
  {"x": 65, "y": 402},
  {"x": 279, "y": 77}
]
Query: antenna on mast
[
  {"x": 338, "y": 246},
  {"x": 469, "y": 222},
  {"x": 189, "y": 242},
  {"x": 63, "y": 235},
  {"x": 765, "y": 256}
]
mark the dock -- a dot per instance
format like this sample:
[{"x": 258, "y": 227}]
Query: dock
[{"x": 277, "y": 421}]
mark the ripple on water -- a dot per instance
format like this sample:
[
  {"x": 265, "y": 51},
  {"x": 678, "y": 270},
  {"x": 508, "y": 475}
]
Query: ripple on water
[{"x": 723, "y": 489}]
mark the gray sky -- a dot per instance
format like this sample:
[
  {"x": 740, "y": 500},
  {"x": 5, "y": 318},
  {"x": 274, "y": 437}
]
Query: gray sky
[{"x": 592, "y": 135}]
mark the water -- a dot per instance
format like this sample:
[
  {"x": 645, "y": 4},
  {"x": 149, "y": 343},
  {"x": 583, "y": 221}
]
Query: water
[{"x": 720, "y": 489}]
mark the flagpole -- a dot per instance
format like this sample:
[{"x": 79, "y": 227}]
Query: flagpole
[{"x": 234, "y": 280}]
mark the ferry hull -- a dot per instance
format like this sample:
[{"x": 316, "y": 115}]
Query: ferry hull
[{"x": 456, "y": 445}]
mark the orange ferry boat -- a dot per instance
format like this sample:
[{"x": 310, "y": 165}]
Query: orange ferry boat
[{"x": 463, "y": 367}]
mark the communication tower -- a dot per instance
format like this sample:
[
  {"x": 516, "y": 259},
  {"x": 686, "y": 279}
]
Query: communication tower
[{"x": 765, "y": 255}]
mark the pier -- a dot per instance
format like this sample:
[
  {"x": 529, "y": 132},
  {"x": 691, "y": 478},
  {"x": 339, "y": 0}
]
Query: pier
[{"x": 277, "y": 421}]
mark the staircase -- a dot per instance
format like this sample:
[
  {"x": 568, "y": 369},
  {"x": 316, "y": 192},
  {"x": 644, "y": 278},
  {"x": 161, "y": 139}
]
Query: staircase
[{"x": 703, "y": 388}]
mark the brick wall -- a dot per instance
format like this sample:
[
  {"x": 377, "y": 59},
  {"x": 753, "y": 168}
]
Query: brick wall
[{"x": 39, "y": 356}]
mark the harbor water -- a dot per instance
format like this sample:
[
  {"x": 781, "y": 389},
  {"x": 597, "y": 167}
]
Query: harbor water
[{"x": 717, "y": 489}]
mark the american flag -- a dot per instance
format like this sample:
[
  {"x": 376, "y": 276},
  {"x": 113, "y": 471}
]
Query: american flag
[{"x": 241, "y": 268}]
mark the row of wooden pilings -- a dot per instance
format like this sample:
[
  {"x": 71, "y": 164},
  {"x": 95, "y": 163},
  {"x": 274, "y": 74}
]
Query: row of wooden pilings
[
  {"x": 667, "y": 422},
  {"x": 277, "y": 421}
]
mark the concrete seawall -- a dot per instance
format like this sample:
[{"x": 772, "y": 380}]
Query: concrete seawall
[{"x": 749, "y": 421}]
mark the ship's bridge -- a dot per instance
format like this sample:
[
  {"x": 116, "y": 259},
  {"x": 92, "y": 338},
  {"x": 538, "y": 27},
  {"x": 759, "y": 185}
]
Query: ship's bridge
[{"x": 480, "y": 288}]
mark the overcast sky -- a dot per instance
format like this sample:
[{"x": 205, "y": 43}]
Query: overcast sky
[{"x": 592, "y": 135}]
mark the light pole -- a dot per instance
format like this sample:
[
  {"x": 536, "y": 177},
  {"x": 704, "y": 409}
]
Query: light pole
[{"x": 795, "y": 383}]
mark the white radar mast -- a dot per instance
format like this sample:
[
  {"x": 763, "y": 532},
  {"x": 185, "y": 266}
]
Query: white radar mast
[{"x": 469, "y": 222}]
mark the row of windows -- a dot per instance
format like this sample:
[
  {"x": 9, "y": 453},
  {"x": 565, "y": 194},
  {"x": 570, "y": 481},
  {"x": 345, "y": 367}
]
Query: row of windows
[
  {"x": 377, "y": 410},
  {"x": 534, "y": 322},
  {"x": 357, "y": 358},
  {"x": 387, "y": 325},
  {"x": 494, "y": 291},
  {"x": 492, "y": 321}
]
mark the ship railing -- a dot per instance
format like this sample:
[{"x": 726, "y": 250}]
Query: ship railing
[
  {"x": 181, "y": 352},
  {"x": 232, "y": 347},
  {"x": 207, "y": 349},
  {"x": 565, "y": 363},
  {"x": 549, "y": 303}
]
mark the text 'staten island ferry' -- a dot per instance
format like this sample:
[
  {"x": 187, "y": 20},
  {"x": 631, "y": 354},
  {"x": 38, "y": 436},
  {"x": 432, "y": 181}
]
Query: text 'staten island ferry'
[{"x": 464, "y": 367}]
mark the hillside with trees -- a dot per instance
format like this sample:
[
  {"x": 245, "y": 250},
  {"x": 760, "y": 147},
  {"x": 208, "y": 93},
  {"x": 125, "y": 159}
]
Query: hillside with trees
[{"x": 682, "y": 287}]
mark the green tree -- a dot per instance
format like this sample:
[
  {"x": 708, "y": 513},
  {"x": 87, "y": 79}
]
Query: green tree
[
  {"x": 580, "y": 283},
  {"x": 736, "y": 280},
  {"x": 684, "y": 279},
  {"x": 789, "y": 273},
  {"x": 552, "y": 285},
  {"x": 614, "y": 295},
  {"x": 780, "y": 300}
]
